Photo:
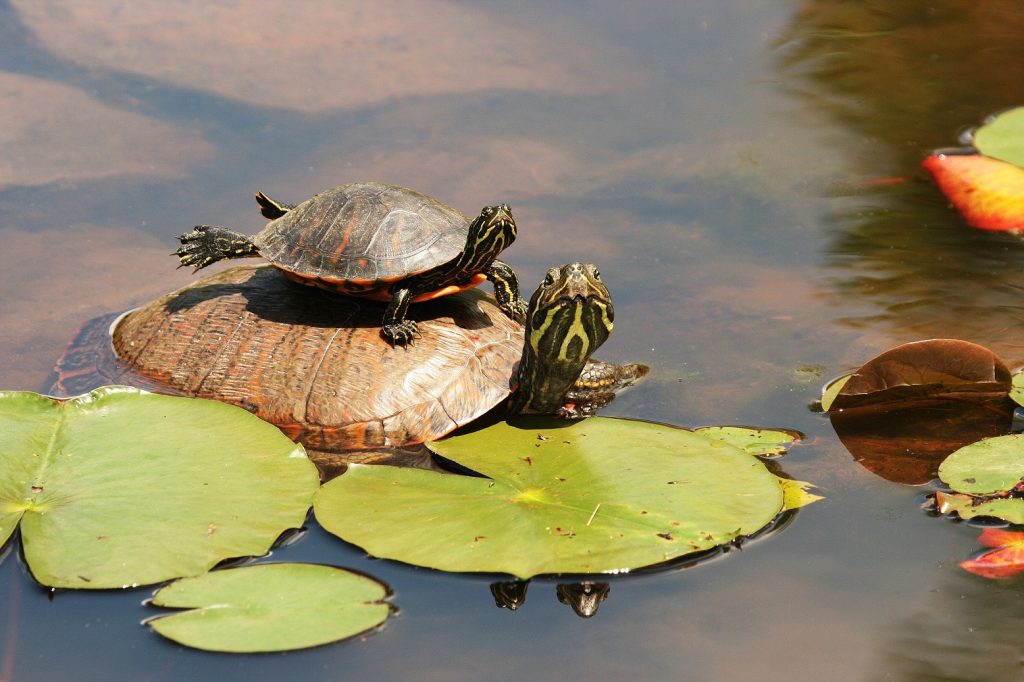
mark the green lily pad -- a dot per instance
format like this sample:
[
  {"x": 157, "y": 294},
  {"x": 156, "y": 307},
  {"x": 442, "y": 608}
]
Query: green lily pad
[
  {"x": 758, "y": 442},
  {"x": 1003, "y": 137},
  {"x": 967, "y": 507},
  {"x": 270, "y": 607},
  {"x": 829, "y": 393},
  {"x": 119, "y": 487},
  {"x": 990, "y": 466},
  {"x": 601, "y": 495},
  {"x": 1017, "y": 388}
]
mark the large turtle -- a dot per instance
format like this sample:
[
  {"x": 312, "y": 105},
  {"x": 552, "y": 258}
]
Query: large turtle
[
  {"x": 322, "y": 373},
  {"x": 378, "y": 241}
]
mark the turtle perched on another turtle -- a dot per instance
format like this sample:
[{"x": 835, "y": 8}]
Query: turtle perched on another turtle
[
  {"x": 377, "y": 241},
  {"x": 324, "y": 376}
]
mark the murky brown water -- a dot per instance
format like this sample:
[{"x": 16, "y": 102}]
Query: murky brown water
[{"x": 726, "y": 163}]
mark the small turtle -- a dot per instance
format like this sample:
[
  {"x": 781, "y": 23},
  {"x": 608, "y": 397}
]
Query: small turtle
[
  {"x": 377, "y": 241},
  {"x": 324, "y": 376}
]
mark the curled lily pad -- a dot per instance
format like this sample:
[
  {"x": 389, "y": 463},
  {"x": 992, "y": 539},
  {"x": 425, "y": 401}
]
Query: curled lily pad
[
  {"x": 601, "y": 495},
  {"x": 1002, "y": 137},
  {"x": 120, "y": 487},
  {"x": 936, "y": 369},
  {"x": 270, "y": 607}
]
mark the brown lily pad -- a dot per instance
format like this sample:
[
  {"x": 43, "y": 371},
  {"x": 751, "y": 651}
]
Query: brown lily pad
[{"x": 923, "y": 372}]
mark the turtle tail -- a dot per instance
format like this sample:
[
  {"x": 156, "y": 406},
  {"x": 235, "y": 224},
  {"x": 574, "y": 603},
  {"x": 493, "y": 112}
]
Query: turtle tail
[{"x": 207, "y": 244}]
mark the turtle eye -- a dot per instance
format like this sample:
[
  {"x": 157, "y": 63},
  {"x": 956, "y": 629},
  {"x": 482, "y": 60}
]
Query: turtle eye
[
  {"x": 597, "y": 274},
  {"x": 549, "y": 279}
]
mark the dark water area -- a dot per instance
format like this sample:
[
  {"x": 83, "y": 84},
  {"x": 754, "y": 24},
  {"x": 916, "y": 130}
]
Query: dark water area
[{"x": 746, "y": 175}]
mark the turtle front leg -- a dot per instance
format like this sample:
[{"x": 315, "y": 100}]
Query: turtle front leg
[
  {"x": 207, "y": 244},
  {"x": 397, "y": 329},
  {"x": 506, "y": 290}
]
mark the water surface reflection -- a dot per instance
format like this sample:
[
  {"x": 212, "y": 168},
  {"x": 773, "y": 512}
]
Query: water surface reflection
[{"x": 719, "y": 158}]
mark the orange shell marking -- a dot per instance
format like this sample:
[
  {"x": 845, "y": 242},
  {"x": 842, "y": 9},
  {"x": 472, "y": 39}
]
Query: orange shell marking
[
  {"x": 476, "y": 280},
  {"x": 987, "y": 192},
  {"x": 380, "y": 291}
]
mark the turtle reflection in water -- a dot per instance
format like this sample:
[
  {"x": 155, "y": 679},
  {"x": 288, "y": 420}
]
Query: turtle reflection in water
[
  {"x": 322, "y": 374},
  {"x": 583, "y": 597},
  {"x": 374, "y": 240}
]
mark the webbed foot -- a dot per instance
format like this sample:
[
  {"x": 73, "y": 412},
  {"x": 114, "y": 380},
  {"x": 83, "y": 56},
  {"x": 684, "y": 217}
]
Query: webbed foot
[
  {"x": 517, "y": 310},
  {"x": 207, "y": 244}
]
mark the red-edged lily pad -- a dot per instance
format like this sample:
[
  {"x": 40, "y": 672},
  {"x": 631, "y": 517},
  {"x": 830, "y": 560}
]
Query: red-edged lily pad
[
  {"x": 1005, "y": 560},
  {"x": 987, "y": 192}
]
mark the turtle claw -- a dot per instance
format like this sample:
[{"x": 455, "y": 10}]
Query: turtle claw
[
  {"x": 192, "y": 251},
  {"x": 402, "y": 333},
  {"x": 517, "y": 311},
  {"x": 207, "y": 244}
]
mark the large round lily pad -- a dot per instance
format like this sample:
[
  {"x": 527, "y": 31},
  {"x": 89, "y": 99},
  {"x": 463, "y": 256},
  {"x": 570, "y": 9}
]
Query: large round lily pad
[
  {"x": 270, "y": 607},
  {"x": 601, "y": 495},
  {"x": 119, "y": 487}
]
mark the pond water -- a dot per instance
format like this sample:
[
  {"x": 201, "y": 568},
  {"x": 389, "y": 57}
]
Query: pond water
[{"x": 747, "y": 176}]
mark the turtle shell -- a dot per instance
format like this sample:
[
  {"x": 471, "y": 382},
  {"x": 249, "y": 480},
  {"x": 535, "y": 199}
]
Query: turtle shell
[
  {"x": 320, "y": 370},
  {"x": 362, "y": 237}
]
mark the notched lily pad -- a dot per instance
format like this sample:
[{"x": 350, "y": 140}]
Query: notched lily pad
[
  {"x": 1002, "y": 137},
  {"x": 119, "y": 487},
  {"x": 933, "y": 370},
  {"x": 270, "y": 607},
  {"x": 601, "y": 495}
]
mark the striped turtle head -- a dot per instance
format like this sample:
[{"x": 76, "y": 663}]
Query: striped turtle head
[
  {"x": 490, "y": 233},
  {"x": 569, "y": 317}
]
